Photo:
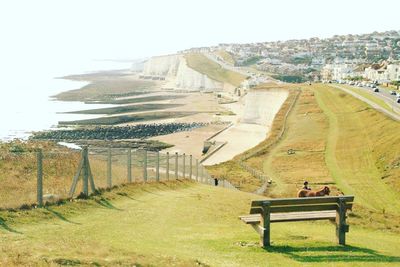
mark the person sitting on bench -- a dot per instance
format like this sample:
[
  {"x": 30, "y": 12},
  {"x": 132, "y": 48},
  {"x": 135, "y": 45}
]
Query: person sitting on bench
[{"x": 306, "y": 186}]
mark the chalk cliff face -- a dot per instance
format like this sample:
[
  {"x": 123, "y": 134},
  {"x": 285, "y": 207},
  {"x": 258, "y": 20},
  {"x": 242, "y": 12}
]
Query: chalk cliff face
[
  {"x": 174, "y": 68},
  {"x": 189, "y": 78},
  {"x": 162, "y": 65}
]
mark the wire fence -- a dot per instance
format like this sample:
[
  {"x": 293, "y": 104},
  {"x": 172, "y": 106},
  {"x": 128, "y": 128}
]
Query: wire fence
[{"x": 30, "y": 179}]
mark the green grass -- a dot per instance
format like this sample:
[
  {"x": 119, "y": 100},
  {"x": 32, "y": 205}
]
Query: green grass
[
  {"x": 213, "y": 70},
  {"x": 226, "y": 56},
  {"x": 251, "y": 61},
  {"x": 340, "y": 141},
  {"x": 370, "y": 97},
  {"x": 362, "y": 147},
  {"x": 177, "y": 224}
]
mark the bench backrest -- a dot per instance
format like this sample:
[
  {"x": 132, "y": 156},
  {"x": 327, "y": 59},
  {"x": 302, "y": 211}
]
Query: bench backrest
[{"x": 302, "y": 204}]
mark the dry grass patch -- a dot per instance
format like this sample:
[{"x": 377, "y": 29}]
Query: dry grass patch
[
  {"x": 213, "y": 70},
  {"x": 306, "y": 136}
]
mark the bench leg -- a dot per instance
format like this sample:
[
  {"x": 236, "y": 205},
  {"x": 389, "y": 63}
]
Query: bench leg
[
  {"x": 266, "y": 216},
  {"x": 341, "y": 226},
  {"x": 265, "y": 238},
  {"x": 341, "y": 236}
]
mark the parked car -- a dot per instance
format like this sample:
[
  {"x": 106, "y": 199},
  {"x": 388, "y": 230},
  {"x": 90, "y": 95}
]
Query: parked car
[
  {"x": 376, "y": 89},
  {"x": 393, "y": 92},
  {"x": 398, "y": 100}
]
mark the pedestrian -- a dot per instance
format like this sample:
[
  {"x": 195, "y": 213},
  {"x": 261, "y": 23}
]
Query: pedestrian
[{"x": 215, "y": 181}]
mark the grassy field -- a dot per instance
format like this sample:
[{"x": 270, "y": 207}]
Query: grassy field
[
  {"x": 227, "y": 57},
  {"x": 213, "y": 70},
  {"x": 177, "y": 224},
  {"x": 363, "y": 150},
  {"x": 340, "y": 141},
  {"x": 370, "y": 97},
  {"x": 306, "y": 133}
]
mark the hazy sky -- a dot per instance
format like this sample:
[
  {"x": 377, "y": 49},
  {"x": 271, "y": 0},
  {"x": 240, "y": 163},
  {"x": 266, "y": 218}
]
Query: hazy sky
[{"x": 130, "y": 29}]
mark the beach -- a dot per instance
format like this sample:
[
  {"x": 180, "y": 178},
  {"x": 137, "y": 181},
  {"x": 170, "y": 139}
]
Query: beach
[
  {"x": 233, "y": 123},
  {"x": 254, "y": 115}
]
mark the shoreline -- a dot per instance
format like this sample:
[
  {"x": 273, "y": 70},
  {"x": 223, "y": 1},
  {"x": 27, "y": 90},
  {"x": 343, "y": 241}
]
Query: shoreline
[{"x": 133, "y": 105}]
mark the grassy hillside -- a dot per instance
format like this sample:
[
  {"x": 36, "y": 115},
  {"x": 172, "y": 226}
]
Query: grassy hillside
[
  {"x": 177, "y": 224},
  {"x": 339, "y": 141},
  {"x": 369, "y": 96},
  {"x": 306, "y": 135},
  {"x": 363, "y": 152},
  {"x": 213, "y": 70},
  {"x": 227, "y": 57}
]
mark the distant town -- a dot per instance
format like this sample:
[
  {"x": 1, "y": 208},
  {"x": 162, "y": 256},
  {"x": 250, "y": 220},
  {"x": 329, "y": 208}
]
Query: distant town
[{"x": 374, "y": 57}]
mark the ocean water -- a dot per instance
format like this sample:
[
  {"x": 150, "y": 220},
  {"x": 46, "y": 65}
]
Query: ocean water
[{"x": 26, "y": 89}]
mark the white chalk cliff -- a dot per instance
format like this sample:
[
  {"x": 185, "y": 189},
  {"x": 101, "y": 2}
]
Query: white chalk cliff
[{"x": 175, "y": 69}]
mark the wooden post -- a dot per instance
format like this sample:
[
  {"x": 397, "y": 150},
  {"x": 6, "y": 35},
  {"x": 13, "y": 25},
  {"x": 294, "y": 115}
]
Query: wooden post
[
  {"x": 190, "y": 166},
  {"x": 167, "y": 167},
  {"x": 91, "y": 180},
  {"x": 341, "y": 226},
  {"x": 145, "y": 165},
  {"x": 77, "y": 174},
  {"x": 197, "y": 170},
  {"x": 158, "y": 167},
  {"x": 39, "y": 157},
  {"x": 176, "y": 165},
  {"x": 266, "y": 215},
  {"x": 129, "y": 165},
  {"x": 109, "y": 170},
  {"x": 85, "y": 171},
  {"x": 184, "y": 165},
  {"x": 201, "y": 174}
]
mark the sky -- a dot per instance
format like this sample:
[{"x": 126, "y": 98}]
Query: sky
[
  {"x": 121, "y": 29},
  {"x": 44, "y": 39}
]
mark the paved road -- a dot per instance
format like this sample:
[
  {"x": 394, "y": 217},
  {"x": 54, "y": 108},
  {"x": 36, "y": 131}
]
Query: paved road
[{"x": 385, "y": 96}]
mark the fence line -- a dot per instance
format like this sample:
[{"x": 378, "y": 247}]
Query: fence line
[{"x": 120, "y": 166}]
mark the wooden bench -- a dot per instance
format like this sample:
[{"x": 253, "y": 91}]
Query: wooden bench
[{"x": 265, "y": 212}]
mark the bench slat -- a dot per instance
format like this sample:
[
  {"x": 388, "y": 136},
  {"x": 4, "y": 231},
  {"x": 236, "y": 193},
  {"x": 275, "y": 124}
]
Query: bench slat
[
  {"x": 304, "y": 200},
  {"x": 316, "y": 207},
  {"x": 302, "y": 216},
  {"x": 290, "y": 216}
]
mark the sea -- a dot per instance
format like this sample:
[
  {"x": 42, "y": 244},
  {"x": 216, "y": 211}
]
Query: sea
[{"x": 26, "y": 90}]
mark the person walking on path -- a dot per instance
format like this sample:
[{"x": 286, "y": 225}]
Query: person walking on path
[{"x": 215, "y": 181}]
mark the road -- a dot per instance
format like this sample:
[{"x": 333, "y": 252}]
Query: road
[{"x": 383, "y": 94}]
